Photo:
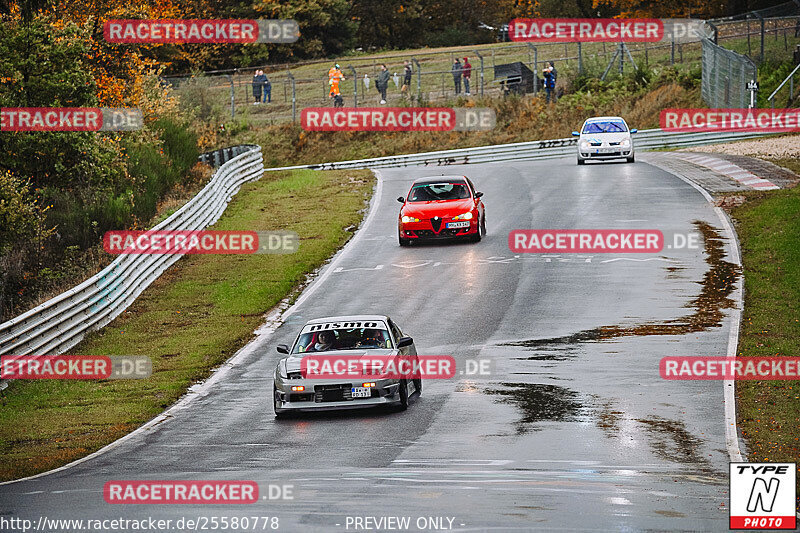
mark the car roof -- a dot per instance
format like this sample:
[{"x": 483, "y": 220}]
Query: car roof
[
  {"x": 598, "y": 119},
  {"x": 348, "y": 318},
  {"x": 440, "y": 179}
]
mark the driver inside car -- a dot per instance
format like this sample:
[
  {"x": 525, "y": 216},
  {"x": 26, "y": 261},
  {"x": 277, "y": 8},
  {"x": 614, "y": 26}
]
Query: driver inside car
[{"x": 371, "y": 337}]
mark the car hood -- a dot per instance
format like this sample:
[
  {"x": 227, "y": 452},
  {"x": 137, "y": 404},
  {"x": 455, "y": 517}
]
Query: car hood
[
  {"x": 440, "y": 208},
  {"x": 294, "y": 361},
  {"x": 605, "y": 137}
]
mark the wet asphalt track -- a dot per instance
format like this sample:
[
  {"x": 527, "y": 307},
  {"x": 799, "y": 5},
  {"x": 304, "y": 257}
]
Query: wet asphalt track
[{"x": 572, "y": 433}]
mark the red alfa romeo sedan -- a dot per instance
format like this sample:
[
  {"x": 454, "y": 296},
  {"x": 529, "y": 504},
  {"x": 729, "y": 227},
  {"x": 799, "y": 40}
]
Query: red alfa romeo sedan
[{"x": 441, "y": 207}]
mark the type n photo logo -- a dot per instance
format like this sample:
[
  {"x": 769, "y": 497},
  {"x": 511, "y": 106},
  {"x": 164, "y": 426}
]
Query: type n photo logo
[{"x": 763, "y": 495}]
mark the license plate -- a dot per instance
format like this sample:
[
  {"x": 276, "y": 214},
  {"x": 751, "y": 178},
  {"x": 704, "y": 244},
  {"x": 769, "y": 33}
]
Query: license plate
[
  {"x": 361, "y": 392},
  {"x": 453, "y": 225},
  {"x": 605, "y": 150}
]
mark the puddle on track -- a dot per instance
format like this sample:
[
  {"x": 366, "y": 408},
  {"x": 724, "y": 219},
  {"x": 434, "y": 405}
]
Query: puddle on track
[
  {"x": 540, "y": 403},
  {"x": 716, "y": 286}
]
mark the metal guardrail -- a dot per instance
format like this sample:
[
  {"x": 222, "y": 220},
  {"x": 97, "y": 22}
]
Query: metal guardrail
[
  {"x": 653, "y": 139},
  {"x": 60, "y": 323},
  {"x": 217, "y": 158}
]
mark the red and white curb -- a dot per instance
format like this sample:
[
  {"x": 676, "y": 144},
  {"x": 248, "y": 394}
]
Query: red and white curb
[{"x": 730, "y": 170}]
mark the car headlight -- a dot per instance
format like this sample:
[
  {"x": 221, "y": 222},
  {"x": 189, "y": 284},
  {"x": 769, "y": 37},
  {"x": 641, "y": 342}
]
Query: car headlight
[
  {"x": 626, "y": 142},
  {"x": 464, "y": 216},
  {"x": 584, "y": 145},
  {"x": 282, "y": 369},
  {"x": 407, "y": 219}
]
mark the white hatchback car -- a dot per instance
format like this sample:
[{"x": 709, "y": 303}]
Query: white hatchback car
[{"x": 605, "y": 138}]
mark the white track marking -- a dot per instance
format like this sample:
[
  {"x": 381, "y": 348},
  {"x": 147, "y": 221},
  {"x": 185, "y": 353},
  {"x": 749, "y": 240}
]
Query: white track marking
[{"x": 729, "y": 393}]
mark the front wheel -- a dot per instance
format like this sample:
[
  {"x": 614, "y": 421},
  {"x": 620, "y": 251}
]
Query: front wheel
[
  {"x": 581, "y": 161},
  {"x": 402, "y": 241},
  {"x": 476, "y": 237},
  {"x": 418, "y": 386},
  {"x": 278, "y": 412},
  {"x": 631, "y": 159},
  {"x": 403, "y": 395}
]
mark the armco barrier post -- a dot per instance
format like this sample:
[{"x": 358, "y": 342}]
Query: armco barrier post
[
  {"x": 761, "y": 19},
  {"x": 672, "y": 51},
  {"x": 715, "y": 31},
  {"x": 355, "y": 86},
  {"x": 294, "y": 95},
  {"x": 419, "y": 79},
  {"x": 233, "y": 96},
  {"x": 535, "y": 67},
  {"x": 481, "y": 59}
]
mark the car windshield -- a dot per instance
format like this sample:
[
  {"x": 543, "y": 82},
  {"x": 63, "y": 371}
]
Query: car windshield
[
  {"x": 610, "y": 126},
  {"x": 431, "y": 192},
  {"x": 342, "y": 339}
]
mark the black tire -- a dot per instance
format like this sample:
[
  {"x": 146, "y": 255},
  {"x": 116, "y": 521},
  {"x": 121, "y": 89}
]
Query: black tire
[
  {"x": 402, "y": 241},
  {"x": 403, "y": 405},
  {"x": 631, "y": 159},
  {"x": 581, "y": 161},
  {"x": 477, "y": 236},
  {"x": 418, "y": 385},
  {"x": 275, "y": 402},
  {"x": 483, "y": 225}
]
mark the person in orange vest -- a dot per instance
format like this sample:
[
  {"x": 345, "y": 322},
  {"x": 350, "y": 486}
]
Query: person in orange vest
[{"x": 334, "y": 77}]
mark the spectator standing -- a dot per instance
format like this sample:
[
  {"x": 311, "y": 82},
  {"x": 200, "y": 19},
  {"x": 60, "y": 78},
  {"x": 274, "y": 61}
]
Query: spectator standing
[
  {"x": 467, "y": 73},
  {"x": 382, "y": 83},
  {"x": 407, "y": 72},
  {"x": 456, "y": 71},
  {"x": 550, "y": 82},
  {"x": 334, "y": 77},
  {"x": 258, "y": 85}
]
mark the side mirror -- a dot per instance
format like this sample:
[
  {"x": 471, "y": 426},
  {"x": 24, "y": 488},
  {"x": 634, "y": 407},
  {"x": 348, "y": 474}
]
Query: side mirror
[
  {"x": 282, "y": 348},
  {"x": 478, "y": 194},
  {"x": 402, "y": 342},
  {"x": 576, "y": 134},
  {"x": 401, "y": 199},
  {"x": 634, "y": 130}
]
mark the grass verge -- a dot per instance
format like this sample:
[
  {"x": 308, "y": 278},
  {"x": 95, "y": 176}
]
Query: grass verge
[
  {"x": 189, "y": 321},
  {"x": 768, "y": 225}
]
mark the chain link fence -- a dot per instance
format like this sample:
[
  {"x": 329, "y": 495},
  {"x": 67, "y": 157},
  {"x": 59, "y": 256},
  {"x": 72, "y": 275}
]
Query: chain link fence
[
  {"x": 726, "y": 75},
  {"x": 220, "y": 96},
  {"x": 730, "y": 73},
  {"x": 224, "y": 95}
]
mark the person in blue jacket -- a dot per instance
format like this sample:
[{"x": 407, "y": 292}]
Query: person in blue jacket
[{"x": 550, "y": 76}]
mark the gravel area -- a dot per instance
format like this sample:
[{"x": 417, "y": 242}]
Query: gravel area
[{"x": 770, "y": 148}]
